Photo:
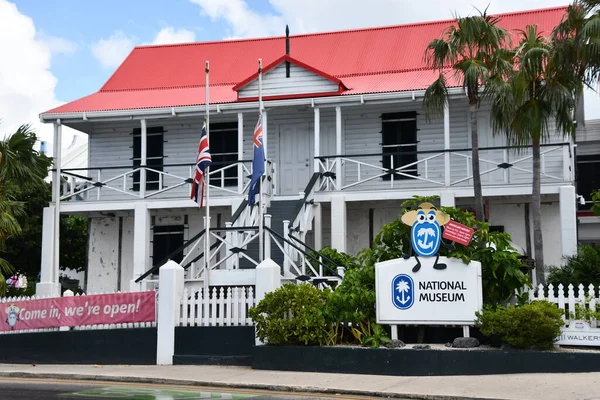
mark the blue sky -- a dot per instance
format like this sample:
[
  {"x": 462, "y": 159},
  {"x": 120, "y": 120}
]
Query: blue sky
[
  {"x": 67, "y": 49},
  {"x": 85, "y": 22}
]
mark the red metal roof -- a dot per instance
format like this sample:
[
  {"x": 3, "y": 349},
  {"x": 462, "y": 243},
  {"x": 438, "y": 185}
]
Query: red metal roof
[{"x": 385, "y": 59}]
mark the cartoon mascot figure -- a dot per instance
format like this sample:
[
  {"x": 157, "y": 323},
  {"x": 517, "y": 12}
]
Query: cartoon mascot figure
[
  {"x": 12, "y": 313},
  {"x": 426, "y": 232}
]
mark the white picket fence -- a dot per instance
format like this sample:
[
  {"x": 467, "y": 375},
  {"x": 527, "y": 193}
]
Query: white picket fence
[
  {"x": 217, "y": 306},
  {"x": 567, "y": 302},
  {"x": 4, "y": 300}
]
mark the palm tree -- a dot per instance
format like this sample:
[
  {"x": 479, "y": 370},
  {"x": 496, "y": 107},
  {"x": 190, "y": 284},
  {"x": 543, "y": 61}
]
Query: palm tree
[
  {"x": 471, "y": 50},
  {"x": 577, "y": 41},
  {"x": 536, "y": 95},
  {"x": 21, "y": 168}
]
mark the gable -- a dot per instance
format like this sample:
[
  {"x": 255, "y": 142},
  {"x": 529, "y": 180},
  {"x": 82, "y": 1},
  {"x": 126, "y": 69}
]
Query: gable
[{"x": 300, "y": 82}]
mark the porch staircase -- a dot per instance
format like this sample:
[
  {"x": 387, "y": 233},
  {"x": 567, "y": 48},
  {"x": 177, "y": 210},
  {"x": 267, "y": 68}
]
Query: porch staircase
[
  {"x": 236, "y": 244},
  {"x": 279, "y": 210}
]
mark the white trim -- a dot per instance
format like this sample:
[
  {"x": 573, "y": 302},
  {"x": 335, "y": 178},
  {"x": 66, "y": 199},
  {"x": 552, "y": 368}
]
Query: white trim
[
  {"x": 89, "y": 206},
  {"x": 501, "y": 190},
  {"x": 167, "y": 112}
]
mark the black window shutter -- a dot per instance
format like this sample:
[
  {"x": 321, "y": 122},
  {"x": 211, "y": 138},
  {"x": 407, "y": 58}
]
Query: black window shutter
[{"x": 399, "y": 137}]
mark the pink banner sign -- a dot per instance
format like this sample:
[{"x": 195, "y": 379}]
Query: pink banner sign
[{"x": 118, "y": 308}]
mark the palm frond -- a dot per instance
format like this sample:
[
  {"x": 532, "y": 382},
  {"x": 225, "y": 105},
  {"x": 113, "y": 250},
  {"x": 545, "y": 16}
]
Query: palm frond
[{"x": 435, "y": 97}]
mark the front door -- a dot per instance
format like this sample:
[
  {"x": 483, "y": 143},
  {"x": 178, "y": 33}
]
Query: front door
[{"x": 295, "y": 160}]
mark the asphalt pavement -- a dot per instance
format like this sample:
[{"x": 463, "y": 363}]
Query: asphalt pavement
[{"x": 28, "y": 389}]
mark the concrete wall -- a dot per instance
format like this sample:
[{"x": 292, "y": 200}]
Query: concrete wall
[
  {"x": 512, "y": 217},
  {"x": 104, "y": 262},
  {"x": 103, "y": 259}
]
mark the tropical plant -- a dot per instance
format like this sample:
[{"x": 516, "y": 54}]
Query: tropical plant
[
  {"x": 536, "y": 101},
  {"x": 596, "y": 200},
  {"x": 577, "y": 43},
  {"x": 292, "y": 315},
  {"x": 469, "y": 54},
  {"x": 582, "y": 268},
  {"x": 21, "y": 168},
  {"x": 536, "y": 324}
]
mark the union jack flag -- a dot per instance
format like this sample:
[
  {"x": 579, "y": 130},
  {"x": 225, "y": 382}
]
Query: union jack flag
[{"x": 203, "y": 161}]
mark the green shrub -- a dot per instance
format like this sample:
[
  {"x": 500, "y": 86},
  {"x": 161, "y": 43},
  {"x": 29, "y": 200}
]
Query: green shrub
[
  {"x": 292, "y": 315},
  {"x": 536, "y": 324},
  {"x": 596, "y": 200},
  {"x": 581, "y": 268}
]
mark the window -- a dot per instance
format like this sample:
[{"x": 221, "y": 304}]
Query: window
[
  {"x": 399, "y": 134},
  {"x": 588, "y": 178},
  {"x": 154, "y": 156},
  {"x": 224, "y": 152},
  {"x": 167, "y": 239}
]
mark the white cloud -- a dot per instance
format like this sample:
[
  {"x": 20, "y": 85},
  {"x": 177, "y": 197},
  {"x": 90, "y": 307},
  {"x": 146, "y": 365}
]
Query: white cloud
[
  {"x": 112, "y": 51},
  {"x": 243, "y": 21},
  {"x": 308, "y": 16},
  {"x": 27, "y": 87},
  {"x": 170, "y": 35},
  {"x": 57, "y": 45}
]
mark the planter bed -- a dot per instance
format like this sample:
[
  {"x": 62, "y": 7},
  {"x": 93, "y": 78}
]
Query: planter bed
[{"x": 421, "y": 362}]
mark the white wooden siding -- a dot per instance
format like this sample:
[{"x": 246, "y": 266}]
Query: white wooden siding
[
  {"x": 111, "y": 145},
  {"x": 301, "y": 81}
]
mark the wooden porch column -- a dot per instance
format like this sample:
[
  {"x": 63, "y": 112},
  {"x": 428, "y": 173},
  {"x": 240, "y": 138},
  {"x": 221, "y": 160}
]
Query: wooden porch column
[
  {"x": 338, "y": 147},
  {"x": 318, "y": 226},
  {"x": 141, "y": 243},
  {"x": 143, "y": 159},
  {"x": 49, "y": 285},
  {"x": 447, "y": 174},
  {"x": 240, "y": 166},
  {"x": 317, "y": 139},
  {"x": 338, "y": 223}
]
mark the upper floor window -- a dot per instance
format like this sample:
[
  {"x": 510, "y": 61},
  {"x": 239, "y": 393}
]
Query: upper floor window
[
  {"x": 154, "y": 156},
  {"x": 224, "y": 152},
  {"x": 399, "y": 134},
  {"x": 588, "y": 178}
]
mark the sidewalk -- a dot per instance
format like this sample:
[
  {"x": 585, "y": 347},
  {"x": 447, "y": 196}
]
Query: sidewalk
[{"x": 517, "y": 386}]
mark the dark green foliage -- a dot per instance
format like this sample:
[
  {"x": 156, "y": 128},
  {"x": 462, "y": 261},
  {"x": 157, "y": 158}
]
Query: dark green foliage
[
  {"x": 24, "y": 251},
  {"x": 596, "y": 200},
  {"x": 581, "y": 268},
  {"x": 500, "y": 262},
  {"x": 292, "y": 315},
  {"x": 536, "y": 324}
]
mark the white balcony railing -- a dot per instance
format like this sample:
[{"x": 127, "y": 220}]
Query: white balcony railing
[
  {"x": 445, "y": 168},
  {"x": 171, "y": 181}
]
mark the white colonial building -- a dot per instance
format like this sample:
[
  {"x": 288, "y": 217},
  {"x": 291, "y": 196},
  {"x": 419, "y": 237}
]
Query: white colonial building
[{"x": 346, "y": 138}]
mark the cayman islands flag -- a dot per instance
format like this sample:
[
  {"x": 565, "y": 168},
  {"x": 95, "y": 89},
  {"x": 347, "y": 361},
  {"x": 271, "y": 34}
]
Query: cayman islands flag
[
  {"x": 203, "y": 161},
  {"x": 258, "y": 162}
]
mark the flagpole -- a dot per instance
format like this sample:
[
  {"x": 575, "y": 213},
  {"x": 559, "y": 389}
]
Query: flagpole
[
  {"x": 260, "y": 188},
  {"x": 207, "y": 184}
]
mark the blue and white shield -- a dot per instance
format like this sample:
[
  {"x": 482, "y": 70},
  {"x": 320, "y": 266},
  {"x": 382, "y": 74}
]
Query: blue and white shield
[
  {"x": 403, "y": 291},
  {"x": 425, "y": 234}
]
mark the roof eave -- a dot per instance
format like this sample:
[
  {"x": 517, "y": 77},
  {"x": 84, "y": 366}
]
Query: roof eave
[{"x": 168, "y": 112}]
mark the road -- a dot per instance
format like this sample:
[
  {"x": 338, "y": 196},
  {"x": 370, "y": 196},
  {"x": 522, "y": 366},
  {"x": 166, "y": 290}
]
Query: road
[{"x": 28, "y": 389}]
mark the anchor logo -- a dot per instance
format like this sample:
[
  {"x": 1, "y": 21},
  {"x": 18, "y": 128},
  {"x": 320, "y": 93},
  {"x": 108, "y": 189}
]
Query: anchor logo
[{"x": 403, "y": 293}]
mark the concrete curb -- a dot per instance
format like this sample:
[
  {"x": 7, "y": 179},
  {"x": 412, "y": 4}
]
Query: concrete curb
[{"x": 257, "y": 386}]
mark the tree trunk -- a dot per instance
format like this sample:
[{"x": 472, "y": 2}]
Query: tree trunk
[
  {"x": 536, "y": 210},
  {"x": 476, "y": 174}
]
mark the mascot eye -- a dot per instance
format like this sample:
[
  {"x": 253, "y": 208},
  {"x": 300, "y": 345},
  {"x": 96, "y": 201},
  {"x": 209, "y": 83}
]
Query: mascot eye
[
  {"x": 421, "y": 217},
  {"x": 431, "y": 217}
]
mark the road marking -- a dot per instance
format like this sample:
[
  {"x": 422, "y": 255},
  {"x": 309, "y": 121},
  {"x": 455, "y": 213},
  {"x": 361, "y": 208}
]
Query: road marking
[
  {"x": 256, "y": 392},
  {"x": 135, "y": 393}
]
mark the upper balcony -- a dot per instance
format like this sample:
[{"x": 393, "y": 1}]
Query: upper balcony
[{"x": 362, "y": 148}]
